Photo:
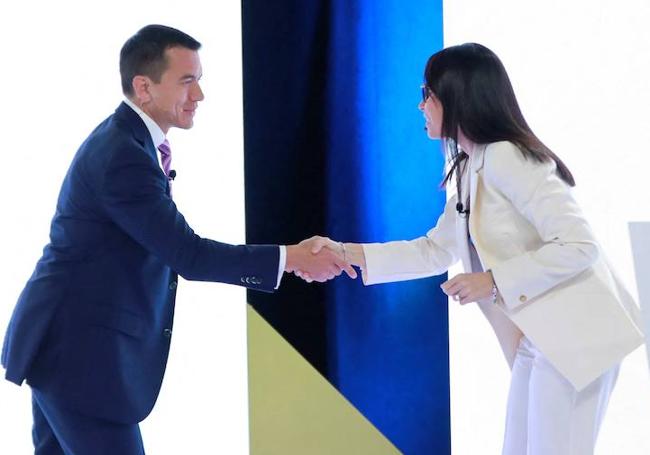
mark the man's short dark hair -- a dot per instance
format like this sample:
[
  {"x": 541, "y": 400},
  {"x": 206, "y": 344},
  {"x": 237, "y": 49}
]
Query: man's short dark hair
[{"x": 144, "y": 53}]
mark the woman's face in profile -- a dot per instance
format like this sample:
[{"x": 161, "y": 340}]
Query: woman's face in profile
[{"x": 432, "y": 110}]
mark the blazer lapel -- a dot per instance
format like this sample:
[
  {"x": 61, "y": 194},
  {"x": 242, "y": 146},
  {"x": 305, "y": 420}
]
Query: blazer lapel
[
  {"x": 469, "y": 183},
  {"x": 476, "y": 161},
  {"x": 462, "y": 228}
]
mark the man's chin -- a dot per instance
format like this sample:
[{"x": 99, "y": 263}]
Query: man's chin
[{"x": 185, "y": 125}]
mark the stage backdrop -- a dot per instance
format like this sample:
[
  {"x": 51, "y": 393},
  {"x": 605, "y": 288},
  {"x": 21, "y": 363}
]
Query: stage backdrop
[{"x": 334, "y": 144}]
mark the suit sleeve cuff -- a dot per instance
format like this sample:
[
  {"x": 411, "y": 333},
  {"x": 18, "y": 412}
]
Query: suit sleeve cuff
[{"x": 282, "y": 264}]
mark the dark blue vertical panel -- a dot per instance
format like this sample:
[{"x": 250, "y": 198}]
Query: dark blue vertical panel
[
  {"x": 388, "y": 343},
  {"x": 285, "y": 48}
]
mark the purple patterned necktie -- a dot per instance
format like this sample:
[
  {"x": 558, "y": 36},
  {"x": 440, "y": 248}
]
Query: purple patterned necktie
[
  {"x": 165, "y": 156},
  {"x": 166, "y": 159}
]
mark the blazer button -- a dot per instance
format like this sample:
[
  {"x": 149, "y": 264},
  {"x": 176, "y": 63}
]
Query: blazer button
[
  {"x": 167, "y": 333},
  {"x": 522, "y": 298},
  {"x": 242, "y": 280},
  {"x": 173, "y": 285}
]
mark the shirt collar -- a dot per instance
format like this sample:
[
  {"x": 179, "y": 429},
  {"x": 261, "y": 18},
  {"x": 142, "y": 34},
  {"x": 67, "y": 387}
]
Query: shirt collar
[{"x": 157, "y": 135}]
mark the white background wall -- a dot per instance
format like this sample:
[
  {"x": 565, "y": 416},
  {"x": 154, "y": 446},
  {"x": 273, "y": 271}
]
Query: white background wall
[
  {"x": 60, "y": 78},
  {"x": 580, "y": 69}
]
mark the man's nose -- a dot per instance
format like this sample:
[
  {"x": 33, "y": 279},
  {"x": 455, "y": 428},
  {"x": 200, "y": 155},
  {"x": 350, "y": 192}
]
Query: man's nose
[{"x": 197, "y": 93}]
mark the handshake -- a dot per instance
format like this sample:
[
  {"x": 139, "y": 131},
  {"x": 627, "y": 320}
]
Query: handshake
[{"x": 321, "y": 259}]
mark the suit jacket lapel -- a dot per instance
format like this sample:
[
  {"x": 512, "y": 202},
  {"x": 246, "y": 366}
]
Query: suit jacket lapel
[
  {"x": 462, "y": 228},
  {"x": 476, "y": 161},
  {"x": 141, "y": 134},
  {"x": 466, "y": 225}
]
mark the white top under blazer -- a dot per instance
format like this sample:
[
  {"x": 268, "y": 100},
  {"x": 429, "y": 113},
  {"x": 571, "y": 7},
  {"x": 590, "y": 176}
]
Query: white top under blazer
[{"x": 555, "y": 285}]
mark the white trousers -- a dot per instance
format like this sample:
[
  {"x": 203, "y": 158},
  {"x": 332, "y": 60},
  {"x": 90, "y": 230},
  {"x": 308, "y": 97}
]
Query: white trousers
[{"x": 546, "y": 415}]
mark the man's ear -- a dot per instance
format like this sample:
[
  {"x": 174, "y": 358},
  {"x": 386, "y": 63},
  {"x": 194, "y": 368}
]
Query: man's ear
[{"x": 141, "y": 85}]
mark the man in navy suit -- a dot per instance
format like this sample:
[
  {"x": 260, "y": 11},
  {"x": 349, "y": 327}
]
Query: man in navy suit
[{"x": 91, "y": 330}]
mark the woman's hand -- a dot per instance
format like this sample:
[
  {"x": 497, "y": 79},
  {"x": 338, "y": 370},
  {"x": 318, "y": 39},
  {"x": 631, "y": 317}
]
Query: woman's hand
[
  {"x": 351, "y": 252},
  {"x": 469, "y": 287}
]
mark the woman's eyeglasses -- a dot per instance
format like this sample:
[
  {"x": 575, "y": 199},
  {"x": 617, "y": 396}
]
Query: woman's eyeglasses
[{"x": 426, "y": 93}]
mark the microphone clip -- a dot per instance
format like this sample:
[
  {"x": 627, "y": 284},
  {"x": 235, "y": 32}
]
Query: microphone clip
[{"x": 460, "y": 208}]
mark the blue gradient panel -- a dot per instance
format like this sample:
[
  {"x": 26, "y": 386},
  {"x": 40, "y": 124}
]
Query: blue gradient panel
[{"x": 388, "y": 344}]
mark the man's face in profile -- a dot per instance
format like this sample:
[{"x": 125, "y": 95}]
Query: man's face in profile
[{"x": 175, "y": 98}]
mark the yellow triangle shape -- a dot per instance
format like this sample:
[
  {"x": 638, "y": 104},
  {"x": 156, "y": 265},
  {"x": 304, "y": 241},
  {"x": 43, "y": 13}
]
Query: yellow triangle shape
[{"x": 294, "y": 410}]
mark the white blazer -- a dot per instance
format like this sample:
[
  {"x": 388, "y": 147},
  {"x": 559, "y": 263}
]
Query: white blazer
[{"x": 555, "y": 286}]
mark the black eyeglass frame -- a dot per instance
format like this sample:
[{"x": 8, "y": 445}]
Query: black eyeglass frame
[{"x": 426, "y": 92}]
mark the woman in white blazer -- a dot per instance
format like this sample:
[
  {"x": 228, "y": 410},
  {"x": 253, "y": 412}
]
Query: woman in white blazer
[{"x": 563, "y": 319}]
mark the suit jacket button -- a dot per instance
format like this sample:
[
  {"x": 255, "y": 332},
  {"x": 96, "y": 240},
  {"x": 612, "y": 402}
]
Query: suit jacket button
[
  {"x": 167, "y": 333},
  {"x": 242, "y": 280},
  {"x": 173, "y": 285},
  {"x": 522, "y": 298}
]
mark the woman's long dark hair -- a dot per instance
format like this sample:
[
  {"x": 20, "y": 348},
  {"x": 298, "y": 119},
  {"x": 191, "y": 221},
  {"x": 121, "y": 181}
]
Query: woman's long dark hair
[{"x": 476, "y": 95}]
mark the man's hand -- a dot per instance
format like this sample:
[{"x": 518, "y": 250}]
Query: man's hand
[
  {"x": 352, "y": 253},
  {"x": 320, "y": 266},
  {"x": 469, "y": 287}
]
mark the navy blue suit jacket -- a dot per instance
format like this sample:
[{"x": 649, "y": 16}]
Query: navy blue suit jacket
[{"x": 92, "y": 327}]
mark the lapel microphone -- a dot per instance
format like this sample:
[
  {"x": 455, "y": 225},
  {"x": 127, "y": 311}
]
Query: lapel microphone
[
  {"x": 172, "y": 174},
  {"x": 460, "y": 208}
]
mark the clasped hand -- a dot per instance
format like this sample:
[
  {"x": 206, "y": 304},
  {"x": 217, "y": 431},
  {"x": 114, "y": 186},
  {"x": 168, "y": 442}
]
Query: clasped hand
[{"x": 318, "y": 259}]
